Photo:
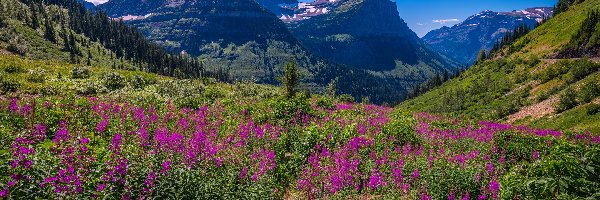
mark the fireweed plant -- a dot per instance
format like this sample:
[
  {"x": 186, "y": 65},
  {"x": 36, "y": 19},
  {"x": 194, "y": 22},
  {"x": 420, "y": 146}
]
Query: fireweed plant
[{"x": 76, "y": 147}]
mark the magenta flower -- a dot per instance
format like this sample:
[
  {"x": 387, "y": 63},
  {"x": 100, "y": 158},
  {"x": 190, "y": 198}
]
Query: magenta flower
[
  {"x": 101, "y": 187},
  {"x": 416, "y": 174},
  {"x": 166, "y": 166},
  {"x": 116, "y": 143},
  {"x": 101, "y": 127},
  {"x": 14, "y": 106},
  {"x": 4, "y": 193},
  {"x": 535, "y": 155},
  {"x": 243, "y": 173}
]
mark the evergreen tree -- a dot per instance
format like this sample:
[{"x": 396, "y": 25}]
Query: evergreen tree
[
  {"x": 49, "y": 31},
  {"x": 481, "y": 56},
  {"x": 290, "y": 79}
]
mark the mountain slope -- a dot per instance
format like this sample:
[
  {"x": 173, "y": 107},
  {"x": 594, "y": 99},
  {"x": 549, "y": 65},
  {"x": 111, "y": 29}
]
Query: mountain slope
[
  {"x": 367, "y": 34},
  {"x": 246, "y": 41},
  {"x": 526, "y": 86},
  {"x": 463, "y": 41}
]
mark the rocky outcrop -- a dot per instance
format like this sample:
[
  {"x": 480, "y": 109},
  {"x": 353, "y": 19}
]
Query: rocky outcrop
[{"x": 367, "y": 34}]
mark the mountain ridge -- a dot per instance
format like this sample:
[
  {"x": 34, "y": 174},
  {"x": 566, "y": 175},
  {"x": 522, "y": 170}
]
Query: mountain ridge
[{"x": 481, "y": 31}]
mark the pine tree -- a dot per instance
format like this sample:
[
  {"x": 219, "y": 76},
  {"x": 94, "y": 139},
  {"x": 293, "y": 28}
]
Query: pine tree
[
  {"x": 481, "y": 56},
  {"x": 290, "y": 79},
  {"x": 49, "y": 31}
]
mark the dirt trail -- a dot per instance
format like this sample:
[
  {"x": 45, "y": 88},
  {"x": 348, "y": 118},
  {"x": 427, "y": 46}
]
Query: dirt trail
[{"x": 535, "y": 111}]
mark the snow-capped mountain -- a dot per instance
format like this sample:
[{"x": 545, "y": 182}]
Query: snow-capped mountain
[
  {"x": 367, "y": 34},
  {"x": 464, "y": 40},
  {"x": 292, "y": 10}
]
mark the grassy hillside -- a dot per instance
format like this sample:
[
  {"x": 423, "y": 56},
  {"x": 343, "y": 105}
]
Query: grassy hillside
[
  {"x": 526, "y": 85},
  {"x": 18, "y": 37}
]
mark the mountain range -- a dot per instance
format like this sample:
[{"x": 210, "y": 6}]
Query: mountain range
[
  {"x": 463, "y": 41},
  {"x": 249, "y": 41}
]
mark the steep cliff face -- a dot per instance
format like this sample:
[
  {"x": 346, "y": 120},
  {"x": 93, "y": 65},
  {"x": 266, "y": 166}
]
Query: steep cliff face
[
  {"x": 368, "y": 34},
  {"x": 189, "y": 25},
  {"x": 463, "y": 41}
]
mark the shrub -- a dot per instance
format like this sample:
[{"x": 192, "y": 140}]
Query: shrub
[
  {"x": 8, "y": 85},
  {"x": 213, "y": 93},
  {"x": 567, "y": 100},
  {"x": 580, "y": 69},
  {"x": 141, "y": 81},
  {"x": 80, "y": 72},
  {"x": 113, "y": 81},
  {"x": 592, "y": 109},
  {"x": 346, "y": 98},
  {"x": 37, "y": 75},
  {"x": 326, "y": 103},
  {"x": 90, "y": 88},
  {"x": 17, "y": 48},
  {"x": 13, "y": 69},
  {"x": 180, "y": 88},
  {"x": 588, "y": 92}
]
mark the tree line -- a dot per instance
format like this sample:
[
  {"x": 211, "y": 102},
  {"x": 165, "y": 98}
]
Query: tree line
[{"x": 124, "y": 41}]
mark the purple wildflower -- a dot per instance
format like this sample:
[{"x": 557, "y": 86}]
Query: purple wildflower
[
  {"x": 101, "y": 127},
  {"x": 4, "y": 193}
]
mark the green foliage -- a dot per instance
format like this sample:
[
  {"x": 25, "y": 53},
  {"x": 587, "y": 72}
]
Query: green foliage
[
  {"x": 593, "y": 109},
  {"x": 90, "y": 88},
  {"x": 37, "y": 75},
  {"x": 567, "y": 100},
  {"x": 587, "y": 39},
  {"x": 580, "y": 69},
  {"x": 113, "y": 81},
  {"x": 290, "y": 79},
  {"x": 180, "y": 88},
  {"x": 81, "y": 72},
  {"x": 13, "y": 68},
  {"x": 8, "y": 85},
  {"x": 567, "y": 172},
  {"x": 588, "y": 91},
  {"x": 330, "y": 90},
  {"x": 346, "y": 98},
  {"x": 141, "y": 81}
]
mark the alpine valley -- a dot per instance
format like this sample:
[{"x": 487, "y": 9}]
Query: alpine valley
[{"x": 286, "y": 99}]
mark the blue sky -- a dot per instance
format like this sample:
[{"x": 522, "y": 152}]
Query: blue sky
[{"x": 423, "y": 16}]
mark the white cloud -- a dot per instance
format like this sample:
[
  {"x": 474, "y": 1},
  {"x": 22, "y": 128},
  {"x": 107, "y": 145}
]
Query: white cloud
[
  {"x": 420, "y": 24},
  {"x": 443, "y": 21},
  {"x": 97, "y": 2}
]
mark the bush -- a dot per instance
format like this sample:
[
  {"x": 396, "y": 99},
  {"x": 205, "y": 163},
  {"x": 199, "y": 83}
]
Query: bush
[
  {"x": 8, "y": 85},
  {"x": 13, "y": 69},
  {"x": 90, "y": 88},
  {"x": 180, "y": 88},
  {"x": 326, "y": 103},
  {"x": 17, "y": 48},
  {"x": 593, "y": 109},
  {"x": 80, "y": 72},
  {"x": 113, "y": 81},
  {"x": 588, "y": 92},
  {"x": 580, "y": 69},
  {"x": 346, "y": 98},
  {"x": 141, "y": 81},
  {"x": 567, "y": 100},
  {"x": 37, "y": 75}
]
